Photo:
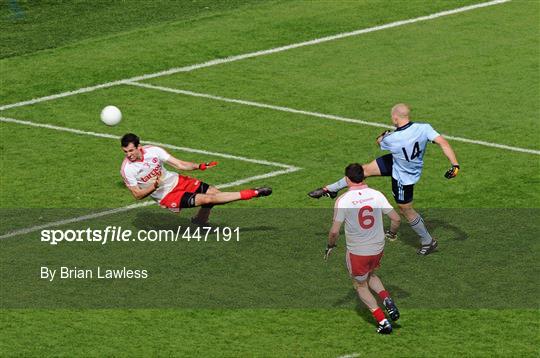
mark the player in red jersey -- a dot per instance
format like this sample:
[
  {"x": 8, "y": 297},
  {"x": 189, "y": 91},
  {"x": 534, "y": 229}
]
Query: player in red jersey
[
  {"x": 145, "y": 175},
  {"x": 361, "y": 209}
]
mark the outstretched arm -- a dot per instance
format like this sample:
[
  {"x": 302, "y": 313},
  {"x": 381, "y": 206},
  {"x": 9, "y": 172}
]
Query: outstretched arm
[
  {"x": 182, "y": 165},
  {"x": 449, "y": 152},
  {"x": 447, "y": 149}
]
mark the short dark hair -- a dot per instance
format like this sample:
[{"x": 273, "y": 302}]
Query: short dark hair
[
  {"x": 129, "y": 138},
  {"x": 355, "y": 173}
]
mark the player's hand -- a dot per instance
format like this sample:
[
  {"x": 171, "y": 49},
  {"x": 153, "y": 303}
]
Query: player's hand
[
  {"x": 452, "y": 172},
  {"x": 156, "y": 182},
  {"x": 204, "y": 166},
  {"x": 328, "y": 251},
  {"x": 381, "y": 136},
  {"x": 390, "y": 236}
]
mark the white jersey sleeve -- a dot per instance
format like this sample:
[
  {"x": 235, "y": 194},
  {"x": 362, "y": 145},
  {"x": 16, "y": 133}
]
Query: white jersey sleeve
[
  {"x": 339, "y": 210},
  {"x": 128, "y": 174},
  {"x": 161, "y": 153}
]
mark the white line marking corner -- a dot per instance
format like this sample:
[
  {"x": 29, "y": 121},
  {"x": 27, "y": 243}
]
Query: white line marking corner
[{"x": 255, "y": 54}]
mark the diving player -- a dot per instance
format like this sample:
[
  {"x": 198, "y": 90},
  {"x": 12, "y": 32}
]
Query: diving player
[{"x": 145, "y": 175}]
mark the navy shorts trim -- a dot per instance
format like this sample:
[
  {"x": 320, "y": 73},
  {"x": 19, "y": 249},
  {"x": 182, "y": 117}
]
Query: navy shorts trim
[
  {"x": 188, "y": 199},
  {"x": 403, "y": 194},
  {"x": 385, "y": 165}
]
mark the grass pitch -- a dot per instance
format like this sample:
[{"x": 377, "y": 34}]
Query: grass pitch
[{"x": 473, "y": 75}]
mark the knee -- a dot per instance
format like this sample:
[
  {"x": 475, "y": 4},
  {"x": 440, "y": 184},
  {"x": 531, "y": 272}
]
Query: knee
[
  {"x": 204, "y": 199},
  {"x": 213, "y": 190},
  {"x": 361, "y": 281},
  {"x": 405, "y": 210}
]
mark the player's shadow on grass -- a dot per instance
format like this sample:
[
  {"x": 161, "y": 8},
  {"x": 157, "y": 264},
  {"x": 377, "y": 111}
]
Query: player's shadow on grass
[
  {"x": 165, "y": 221},
  {"x": 439, "y": 229},
  {"x": 365, "y": 314},
  {"x": 362, "y": 311},
  {"x": 457, "y": 233}
]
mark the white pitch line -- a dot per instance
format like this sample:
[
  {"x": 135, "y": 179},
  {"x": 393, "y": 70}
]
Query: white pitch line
[
  {"x": 170, "y": 146},
  {"x": 256, "y": 53},
  {"x": 258, "y": 104},
  {"x": 75, "y": 219},
  {"x": 322, "y": 115},
  {"x": 99, "y": 214},
  {"x": 288, "y": 169}
]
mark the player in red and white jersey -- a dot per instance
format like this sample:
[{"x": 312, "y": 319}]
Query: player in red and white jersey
[
  {"x": 145, "y": 175},
  {"x": 361, "y": 209}
]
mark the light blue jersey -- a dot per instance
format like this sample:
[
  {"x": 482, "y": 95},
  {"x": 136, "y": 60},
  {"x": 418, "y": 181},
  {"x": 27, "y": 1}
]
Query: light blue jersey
[{"x": 408, "y": 146}]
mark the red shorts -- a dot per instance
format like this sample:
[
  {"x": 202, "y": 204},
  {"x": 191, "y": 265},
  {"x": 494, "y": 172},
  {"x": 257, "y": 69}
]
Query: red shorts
[
  {"x": 173, "y": 198},
  {"x": 359, "y": 265}
]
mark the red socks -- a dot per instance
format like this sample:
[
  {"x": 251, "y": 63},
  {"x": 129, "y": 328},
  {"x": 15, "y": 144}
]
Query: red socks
[
  {"x": 247, "y": 194},
  {"x": 383, "y": 294},
  {"x": 378, "y": 314}
]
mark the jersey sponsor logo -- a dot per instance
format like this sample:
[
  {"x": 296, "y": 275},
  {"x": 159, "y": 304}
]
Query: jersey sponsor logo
[
  {"x": 155, "y": 172},
  {"x": 154, "y": 160},
  {"x": 356, "y": 202}
]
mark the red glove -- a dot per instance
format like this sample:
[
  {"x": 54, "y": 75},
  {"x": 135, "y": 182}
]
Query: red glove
[{"x": 203, "y": 166}]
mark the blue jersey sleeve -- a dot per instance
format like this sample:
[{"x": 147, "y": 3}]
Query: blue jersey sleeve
[
  {"x": 385, "y": 143},
  {"x": 430, "y": 133}
]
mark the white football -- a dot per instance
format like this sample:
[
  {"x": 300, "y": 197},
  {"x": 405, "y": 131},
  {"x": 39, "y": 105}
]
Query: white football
[{"x": 111, "y": 115}]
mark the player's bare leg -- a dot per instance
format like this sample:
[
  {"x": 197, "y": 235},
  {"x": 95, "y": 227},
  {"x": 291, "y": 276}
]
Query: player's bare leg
[
  {"x": 370, "y": 169},
  {"x": 365, "y": 295},
  {"x": 376, "y": 285},
  {"x": 227, "y": 197},
  {"x": 204, "y": 212},
  {"x": 417, "y": 224}
]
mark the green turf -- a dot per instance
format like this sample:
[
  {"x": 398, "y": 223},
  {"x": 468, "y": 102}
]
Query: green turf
[
  {"x": 250, "y": 271},
  {"x": 82, "y": 185},
  {"x": 295, "y": 140},
  {"x": 30, "y": 26},
  {"x": 453, "y": 70},
  {"x": 474, "y": 75},
  {"x": 164, "y": 46},
  {"x": 270, "y": 333}
]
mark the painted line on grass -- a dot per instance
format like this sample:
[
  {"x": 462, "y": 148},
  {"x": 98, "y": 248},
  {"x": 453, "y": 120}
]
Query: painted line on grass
[
  {"x": 35, "y": 228},
  {"x": 287, "y": 169},
  {"x": 165, "y": 145},
  {"x": 322, "y": 115},
  {"x": 100, "y": 214},
  {"x": 255, "y": 54},
  {"x": 352, "y": 355}
]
